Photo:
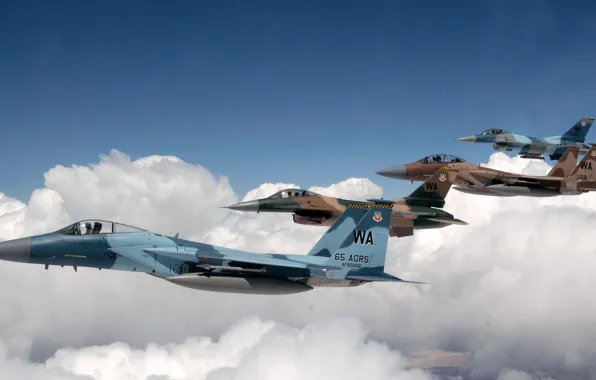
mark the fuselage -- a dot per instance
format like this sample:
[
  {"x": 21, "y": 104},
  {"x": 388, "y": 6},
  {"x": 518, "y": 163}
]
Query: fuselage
[
  {"x": 529, "y": 145},
  {"x": 491, "y": 184},
  {"x": 177, "y": 260},
  {"x": 318, "y": 210}
]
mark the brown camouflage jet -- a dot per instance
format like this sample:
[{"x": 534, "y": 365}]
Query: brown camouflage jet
[
  {"x": 420, "y": 210},
  {"x": 567, "y": 177}
]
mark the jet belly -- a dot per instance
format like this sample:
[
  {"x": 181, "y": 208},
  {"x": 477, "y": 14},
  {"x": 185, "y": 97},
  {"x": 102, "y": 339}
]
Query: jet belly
[
  {"x": 527, "y": 191},
  {"x": 425, "y": 224},
  {"x": 243, "y": 285},
  {"x": 528, "y": 149},
  {"x": 481, "y": 191}
]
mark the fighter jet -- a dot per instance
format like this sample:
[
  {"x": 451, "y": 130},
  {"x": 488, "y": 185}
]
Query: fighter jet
[
  {"x": 413, "y": 212},
  {"x": 567, "y": 177},
  {"x": 351, "y": 253},
  {"x": 536, "y": 147}
]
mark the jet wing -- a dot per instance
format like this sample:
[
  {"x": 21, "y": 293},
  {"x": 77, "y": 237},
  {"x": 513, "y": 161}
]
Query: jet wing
[
  {"x": 474, "y": 177},
  {"x": 138, "y": 257},
  {"x": 482, "y": 179},
  {"x": 149, "y": 259},
  {"x": 524, "y": 180},
  {"x": 250, "y": 259},
  {"x": 505, "y": 138}
]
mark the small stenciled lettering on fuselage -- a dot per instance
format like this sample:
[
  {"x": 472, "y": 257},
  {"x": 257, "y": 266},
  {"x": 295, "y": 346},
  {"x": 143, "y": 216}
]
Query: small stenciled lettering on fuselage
[{"x": 352, "y": 260}]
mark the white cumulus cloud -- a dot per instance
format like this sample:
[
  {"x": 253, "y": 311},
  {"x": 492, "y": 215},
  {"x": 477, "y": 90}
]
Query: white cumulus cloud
[
  {"x": 514, "y": 287},
  {"x": 252, "y": 349}
]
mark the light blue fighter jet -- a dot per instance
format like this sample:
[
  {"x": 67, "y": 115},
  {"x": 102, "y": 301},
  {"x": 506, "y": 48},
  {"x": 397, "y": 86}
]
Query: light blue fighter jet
[
  {"x": 536, "y": 147},
  {"x": 352, "y": 252}
]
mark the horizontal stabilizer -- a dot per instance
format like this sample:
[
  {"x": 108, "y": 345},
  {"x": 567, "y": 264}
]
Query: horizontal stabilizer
[
  {"x": 413, "y": 213},
  {"x": 586, "y": 185},
  {"x": 380, "y": 277},
  {"x": 448, "y": 220}
]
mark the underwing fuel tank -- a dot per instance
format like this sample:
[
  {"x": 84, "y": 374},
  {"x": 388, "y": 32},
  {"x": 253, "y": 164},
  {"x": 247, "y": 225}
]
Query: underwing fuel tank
[
  {"x": 244, "y": 285},
  {"x": 523, "y": 191}
]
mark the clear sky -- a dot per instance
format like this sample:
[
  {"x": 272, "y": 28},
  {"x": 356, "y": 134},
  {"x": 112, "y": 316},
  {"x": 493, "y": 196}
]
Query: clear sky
[{"x": 308, "y": 92}]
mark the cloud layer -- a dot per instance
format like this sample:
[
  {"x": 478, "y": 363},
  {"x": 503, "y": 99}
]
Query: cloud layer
[{"x": 514, "y": 287}]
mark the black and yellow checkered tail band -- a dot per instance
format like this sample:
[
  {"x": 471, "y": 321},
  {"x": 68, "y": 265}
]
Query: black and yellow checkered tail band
[
  {"x": 363, "y": 206},
  {"x": 379, "y": 205},
  {"x": 367, "y": 206}
]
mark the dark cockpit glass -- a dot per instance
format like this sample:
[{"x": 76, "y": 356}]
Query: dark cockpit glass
[
  {"x": 440, "y": 158},
  {"x": 493, "y": 132},
  {"x": 291, "y": 193},
  {"x": 94, "y": 226}
]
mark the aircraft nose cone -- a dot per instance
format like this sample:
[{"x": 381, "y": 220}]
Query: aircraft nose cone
[
  {"x": 398, "y": 172},
  {"x": 16, "y": 250},
  {"x": 245, "y": 206},
  {"x": 467, "y": 139}
]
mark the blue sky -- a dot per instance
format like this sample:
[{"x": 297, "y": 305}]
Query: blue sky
[{"x": 308, "y": 92}]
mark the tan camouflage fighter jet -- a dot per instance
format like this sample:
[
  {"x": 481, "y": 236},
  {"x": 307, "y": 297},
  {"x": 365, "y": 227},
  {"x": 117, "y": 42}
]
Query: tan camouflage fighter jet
[
  {"x": 419, "y": 210},
  {"x": 567, "y": 177}
]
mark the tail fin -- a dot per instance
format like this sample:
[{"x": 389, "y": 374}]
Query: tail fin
[
  {"x": 336, "y": 234},
  {"x": 365, "y": 245},
  {"x": 583, "y": 171},
  {"x": 578, "y": 132},
  {"x": 432, "y": 193},
  {"x": 566, "y": 163}
]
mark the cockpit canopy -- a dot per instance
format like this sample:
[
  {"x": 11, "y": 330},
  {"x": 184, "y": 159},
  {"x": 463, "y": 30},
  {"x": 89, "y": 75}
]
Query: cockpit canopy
[
  {"x": 291, "y": 193},
  {"x": 96, "y": 226},
  {"x": 440, "y": 158},
  {"x": 493, "y": 132}
]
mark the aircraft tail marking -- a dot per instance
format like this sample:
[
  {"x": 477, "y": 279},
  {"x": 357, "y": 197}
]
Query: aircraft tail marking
[
  {"x": 433, "y": 191},
  {"x": 566, "y": 163},
  {"x": 584, "y": 171},
  {"x": 365, "y": 245},
  {"x": 336, "y": 233},
  {"x": 578, "y": 132}
]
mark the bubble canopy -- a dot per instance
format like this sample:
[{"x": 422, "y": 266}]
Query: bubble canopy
[
  {"x": 493, "y": 132},
  {"x": 290, "y": 193},
  {"x": 97, "y": 226},
  {"x": 440, "y": 158}
]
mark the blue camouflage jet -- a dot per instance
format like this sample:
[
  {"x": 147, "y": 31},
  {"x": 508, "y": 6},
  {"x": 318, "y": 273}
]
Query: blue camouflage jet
[
  {"x": 536, "y": 147},
  {"x": 352, "y": 252}
]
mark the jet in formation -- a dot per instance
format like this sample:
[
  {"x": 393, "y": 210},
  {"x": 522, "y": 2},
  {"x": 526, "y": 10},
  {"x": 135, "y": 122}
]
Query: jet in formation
[
  {"x": 352, "y": 252},
  {"x": 567, "y": 177},
  {"x": 419, "y": 210},
  {"x": 536, "y": 147}
]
